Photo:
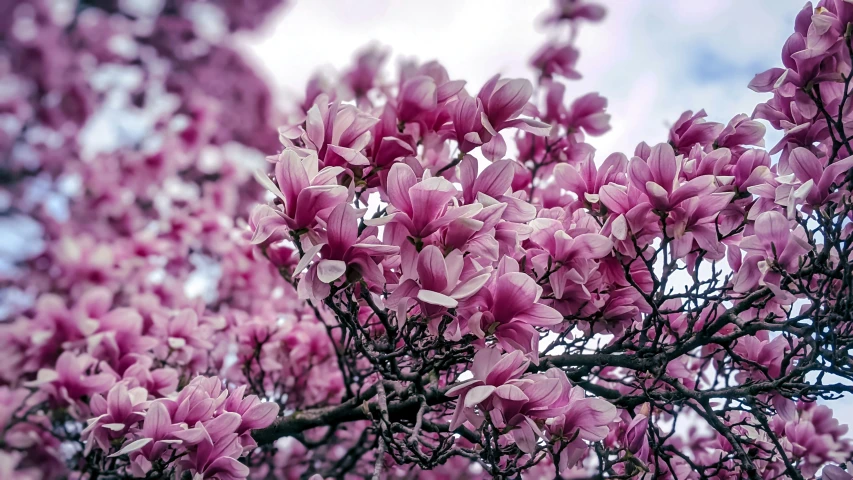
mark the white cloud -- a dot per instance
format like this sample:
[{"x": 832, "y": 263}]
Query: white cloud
[{"x": 651, "y": 59}]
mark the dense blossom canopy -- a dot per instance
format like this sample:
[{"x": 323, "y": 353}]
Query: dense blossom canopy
[{"x": 424, "y": 278}]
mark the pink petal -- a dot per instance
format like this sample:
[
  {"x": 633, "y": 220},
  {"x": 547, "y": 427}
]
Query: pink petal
[
  {"x": 435, "y": 298},
  {"x": 773, "y": 228},
  {"x": 592, "y": 246},
  {"x": 260, "y": 416},
  {"x": 494, "y": 149},
  {"x": 830, "y": 175},
  {"x": 291, "y": 177},
  {"x": 533, "y": 127},
  {"x": 313, "y": 201},
  {"x": 432, "y": 269},
  {"x": 510, "y": 365},
  {"x": 484, "y": 361},
  {"x": 342, "y": 228},
  {"x": 496, "y": 179},
  {"x": 350, "y": 155},
  {"x": 132, "y": 447},
  {"x": 663, "y": 165},
  {"x": 698, "y": 186},
  {"x": 478, "y": 394},
  {"x": 228, "y": 465},
  {"x": 330, "y": 270},
  {"x": 401, "y": 179},
  {"x": 449, "y": 216},
  {"x": 639, "y": 173},
  {"x": 615, "y": 198},
  {"x": 470, "y": 287},
  {"x": 540, "y": 315},
  {"x": 511, "y": 392},
  {"x": 515, "y": 293},
  {"x": 568, "y": 178},
  {"x": 805, "y": 164},
  {"x": 222, "y": 425},
  {"x": 192, "y": 436},
  {"x": 310, "y": 253},
  {"x": 429, "y": 201},
  {"x": 508, "y": 100}
]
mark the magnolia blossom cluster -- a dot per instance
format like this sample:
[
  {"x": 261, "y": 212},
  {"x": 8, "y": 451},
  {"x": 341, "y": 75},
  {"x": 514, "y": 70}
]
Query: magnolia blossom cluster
[
  {"x": 203, "y": 430},
  {"x": 417, "y": 213},
  {"x": 436, "y": 280},
  {"x": 520, "y": 403}
]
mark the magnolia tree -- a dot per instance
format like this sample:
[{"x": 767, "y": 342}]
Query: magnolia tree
[{"x": 436, "y": 281}]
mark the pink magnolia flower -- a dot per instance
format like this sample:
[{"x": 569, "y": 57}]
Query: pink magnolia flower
[
  {"x": 217, "y": 448},
  {"x": 73, "y": 378},
  {"x": 253, "y": 412},
  {"x": 586, "y": 419},
  {"x": 84, "y": 258},
  {"x": 343, "y": 250},
  {"x": 422, "y": 91},
  {"x": 695, "y": 220},
  {"x": 140, "y": 373},
  {"x": 741, "y": 130},
  {"x": 467, "y": 123},
  {"x": 773, "y": 249},
  {"x": 767, "y": 80},
  {"x": 154, "y": 438},
  {"x": 481, "y": 236},
  {"x": 658, "y": 179},
  {"x": 113, "y": 417},
  {"x": 197, "y": 401},
  {"x": 767, "y": 353},
  {"x": 421, "y": 207},
  {"x": 502, "y": 102},
  {"x": 631, "y": 219},
  {"x": 266, "y": 225},
  {"x": 816, "y": 176},
  {"x": 9, "y": 462},
  {"x": 318, "y": 84},
  {"x": 635, "y": 438},
  {"x": 691, "y": 129},
  {"x": 181, "y": 331},
  {"x": 10, "y": 401},
  {"x": 436, "y": 279},
  {"x": 555, "y": 59},
  {"x": 389, "y": 145},
  {"x": 494, "y": 181},
  {"x": 587, "y": 113},
  {"x": 308, "y": 195},
  {"x": 362, "y": 76},
  {"x": 418, "y": 94},
  {"x": 834, "y": 472},
  {"x": 544, "y": 396},
  {"x": 564, "y": 259},
  {"x": 586, "y": 179},
  {"x": 508, "y": 309},
  {"x": 119, "y": 333},
  {"x": 574, "y": 10},
  {"x": 816, "y": 438},
  {"x": 478, "y": 121},
  {"x": 492, "y": 371},
  {"x": 337, "y": 133},
  {"x": 493, "y": 189},
  {"x": 751, "y": 168}
]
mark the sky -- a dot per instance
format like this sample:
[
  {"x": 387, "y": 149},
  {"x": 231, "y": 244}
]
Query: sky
[{"x": 653, "y": 59}]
